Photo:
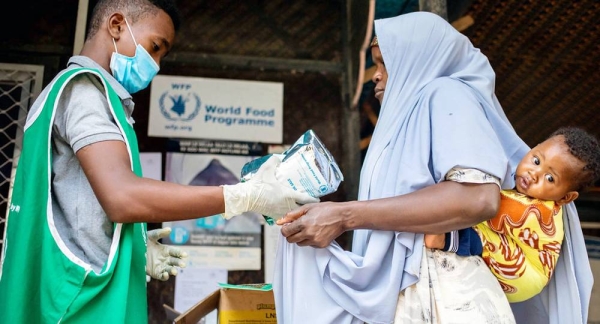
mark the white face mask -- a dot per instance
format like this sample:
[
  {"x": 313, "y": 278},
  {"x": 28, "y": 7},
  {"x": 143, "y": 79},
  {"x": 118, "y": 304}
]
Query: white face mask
[{"x": 133, "y": 73}]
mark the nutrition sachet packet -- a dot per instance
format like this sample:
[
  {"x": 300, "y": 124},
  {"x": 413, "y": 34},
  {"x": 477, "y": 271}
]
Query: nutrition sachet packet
[{"x": 307, "y": 166}]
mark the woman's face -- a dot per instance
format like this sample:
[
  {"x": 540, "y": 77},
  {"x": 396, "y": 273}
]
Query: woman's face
[{"x": 380, "y": 76}]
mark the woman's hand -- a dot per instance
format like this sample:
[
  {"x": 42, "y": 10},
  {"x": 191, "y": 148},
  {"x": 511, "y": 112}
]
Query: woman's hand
[{"x": 315, "y": 225}]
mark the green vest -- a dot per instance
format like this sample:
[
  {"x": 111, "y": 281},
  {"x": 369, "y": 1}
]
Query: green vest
[{"x": 41, "y": 281}]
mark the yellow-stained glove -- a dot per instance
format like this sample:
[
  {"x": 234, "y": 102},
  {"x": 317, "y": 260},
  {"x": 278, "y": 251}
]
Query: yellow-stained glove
[
  {"x": 263, "y": 194},
  {"x": 162, "y": 260}
]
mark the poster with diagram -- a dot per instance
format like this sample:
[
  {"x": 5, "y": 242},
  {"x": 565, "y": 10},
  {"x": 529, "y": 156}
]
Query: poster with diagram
[{"x": 213, "y": 241}]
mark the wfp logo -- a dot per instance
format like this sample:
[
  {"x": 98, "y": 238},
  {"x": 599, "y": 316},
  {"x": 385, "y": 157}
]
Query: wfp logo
[{"x": 179, "y": 106}]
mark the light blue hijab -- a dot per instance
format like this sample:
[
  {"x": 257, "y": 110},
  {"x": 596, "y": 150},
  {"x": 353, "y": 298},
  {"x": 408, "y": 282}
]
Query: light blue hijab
[{"x": 408, "y": 152}]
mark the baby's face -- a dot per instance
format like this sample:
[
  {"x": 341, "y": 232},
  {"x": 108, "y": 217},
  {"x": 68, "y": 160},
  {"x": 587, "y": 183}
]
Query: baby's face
[{"x": 548, "y": 171}]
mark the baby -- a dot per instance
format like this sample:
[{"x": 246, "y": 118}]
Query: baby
[{"x": 521, "y": 244}]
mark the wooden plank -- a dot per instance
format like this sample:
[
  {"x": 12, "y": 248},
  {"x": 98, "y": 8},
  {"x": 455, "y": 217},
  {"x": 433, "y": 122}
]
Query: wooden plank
[
  {"x": 252, "y": 62},
  {"x": 463, "y": 23}
]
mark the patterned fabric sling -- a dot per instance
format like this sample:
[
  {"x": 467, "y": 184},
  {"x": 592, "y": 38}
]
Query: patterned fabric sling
[{"x": 521, "y": 244}]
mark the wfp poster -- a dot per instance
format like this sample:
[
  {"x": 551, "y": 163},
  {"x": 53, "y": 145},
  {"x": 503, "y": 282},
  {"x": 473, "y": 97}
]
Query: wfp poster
[
  {"x": 213, "y": 241},
  {"x": 216, "y": 109}
]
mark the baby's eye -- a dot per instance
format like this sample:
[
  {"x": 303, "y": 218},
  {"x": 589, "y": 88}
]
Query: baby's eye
[
  {"x": 155, "y": 47},
  {"x": 536, "y": 160},
  {"x": 549, "y": 178}
]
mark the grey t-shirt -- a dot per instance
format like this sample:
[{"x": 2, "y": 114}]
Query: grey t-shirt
[{"x": 82, "y": 118}]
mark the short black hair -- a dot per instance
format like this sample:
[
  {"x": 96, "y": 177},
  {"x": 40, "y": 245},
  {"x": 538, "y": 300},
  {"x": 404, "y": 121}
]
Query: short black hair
[
  {"x": 133, "y": 10},
  {"x": 583, "y": 146}
]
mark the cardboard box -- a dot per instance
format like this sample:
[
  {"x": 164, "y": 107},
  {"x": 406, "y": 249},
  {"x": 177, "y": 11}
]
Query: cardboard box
[{"x": 236, "y": 304}]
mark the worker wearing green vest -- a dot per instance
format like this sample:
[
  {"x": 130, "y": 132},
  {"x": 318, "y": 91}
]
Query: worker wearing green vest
[{"x": 76, "y": 248}]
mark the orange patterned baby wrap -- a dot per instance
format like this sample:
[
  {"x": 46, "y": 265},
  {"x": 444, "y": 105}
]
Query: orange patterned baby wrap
[{"x": 521, "y": 243}]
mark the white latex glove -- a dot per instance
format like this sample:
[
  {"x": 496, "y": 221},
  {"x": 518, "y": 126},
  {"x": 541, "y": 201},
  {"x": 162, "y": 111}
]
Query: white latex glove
[
  {"x": 263, "y": 194},
  {"x": 162, "y": 260}
]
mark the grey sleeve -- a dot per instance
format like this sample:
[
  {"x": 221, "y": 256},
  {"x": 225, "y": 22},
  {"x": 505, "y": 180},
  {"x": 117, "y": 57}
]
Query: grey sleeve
[
  {"x": 83, "y": 115},
  {"x": 466, "y": 175}
]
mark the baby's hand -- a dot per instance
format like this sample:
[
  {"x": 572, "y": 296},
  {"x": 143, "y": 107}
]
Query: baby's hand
[{"x": 435, "y": 241}]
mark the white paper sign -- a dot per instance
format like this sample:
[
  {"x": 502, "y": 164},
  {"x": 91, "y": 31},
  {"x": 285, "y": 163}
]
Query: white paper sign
[
  {"x": 151, "y": 165},
  {"x": 239, "y": 110},
  {"x": 194, "y": 284}
]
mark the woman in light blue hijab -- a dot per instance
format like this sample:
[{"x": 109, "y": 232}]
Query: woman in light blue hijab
[{"x": 441, "y": 150}]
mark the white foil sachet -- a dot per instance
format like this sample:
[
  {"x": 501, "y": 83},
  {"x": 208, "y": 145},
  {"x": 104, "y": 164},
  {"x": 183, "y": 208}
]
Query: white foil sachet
[{"x": 307, "y": 166}]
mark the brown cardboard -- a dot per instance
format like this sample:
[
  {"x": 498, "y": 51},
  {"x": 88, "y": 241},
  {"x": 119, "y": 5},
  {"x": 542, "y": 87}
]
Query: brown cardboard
[
  {"x": 234, "y": 306},
  {"x": 241, "y": 305}
]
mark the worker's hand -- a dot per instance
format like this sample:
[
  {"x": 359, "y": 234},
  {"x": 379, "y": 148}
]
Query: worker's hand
[
  {"x": 435, "y": 241},
  {"x": 162, "y": 260},
  {"x": 263, "y": 194}
]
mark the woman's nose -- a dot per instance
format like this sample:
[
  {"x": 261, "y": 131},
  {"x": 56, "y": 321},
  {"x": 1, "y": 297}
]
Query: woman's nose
[{"x": 376, "y": 77}]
